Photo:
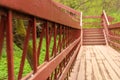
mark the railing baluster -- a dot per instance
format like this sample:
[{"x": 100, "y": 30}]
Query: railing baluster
[
  {"x": 40, "y": 42},
  {"x": 47, "y": 42},
  {"x": 54, "y": 46},
  {"x": 55, "y": 75},
  {"x": 25, "y": 47},
  {"x": 9, "y": 41},
  {"x": 34, "y": 46},
  {"x": 63, "y": 42},
  {"x": 2, "y": 30},
  {"x": 59, "y": 41},
  {"x": 60, "y": 38}
]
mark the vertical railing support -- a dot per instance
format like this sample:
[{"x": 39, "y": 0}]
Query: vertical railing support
[
  {"x": 47, "y": 42},
  {"x": 9, "y": 39},
  {"x": 2, "y": 30},
  {"x": 54, "y": 47},
  {"x": 25, "y": 47},
  {"x": 40, "y": 42},
  {"x": 34, "y": 46},
  {"x": 105, "y": 24},
  {"x": 81, "y": 15}
]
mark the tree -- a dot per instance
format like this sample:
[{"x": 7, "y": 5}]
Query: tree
[{"x": 19, "y": 37}]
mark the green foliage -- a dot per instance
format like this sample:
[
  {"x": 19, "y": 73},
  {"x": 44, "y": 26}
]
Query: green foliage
[
  {"x": 92, "y": 7},
  {"x": 17, "y": 59},
  {"x": 95, "y": 7}
]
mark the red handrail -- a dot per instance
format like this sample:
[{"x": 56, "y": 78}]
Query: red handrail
[
  {"x": 105, "y": 24},
  {"x": 67, "y": 8},
  {"x": 44, "y": 9},
  {"x": 81, "y": 16}
]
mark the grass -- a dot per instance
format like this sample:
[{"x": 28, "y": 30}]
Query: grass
[
  {"x": 17, "y": 59},
  {"x": 90, "y": 20}
]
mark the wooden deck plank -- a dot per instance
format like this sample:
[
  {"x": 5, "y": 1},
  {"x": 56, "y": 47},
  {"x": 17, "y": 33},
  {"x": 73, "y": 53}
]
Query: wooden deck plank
[
  {"x": 103, "y": 70},
  {"x": 96, "y": 70},
  {"x": 111, "y": 72},
  {"x": 81, "y": 74},
  {"x": 115, "y": 56},
  {"x": 88, "y": 65},
  {"x": 75, "y": 69},
  {"x": 97, "y": 55},
  {"x": 99, "y": 52},
  {"x": 97, "y": 62},
  {"x": 110, "y": 61},
  {"x": 115, "y": 53}
]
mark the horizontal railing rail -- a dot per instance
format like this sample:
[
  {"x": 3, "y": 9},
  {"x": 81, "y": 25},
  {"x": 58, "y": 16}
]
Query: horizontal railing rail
[
  {"x": 40, "y": 8},
  {"x": 81, "y": 24},
  {"x": 105, "y": 24},
  {"x": 67, "y": 8},
  {"x": 91, "y": 17},
  {"x": 72, "y": 13},
  {"x": 114, "y": 26}
]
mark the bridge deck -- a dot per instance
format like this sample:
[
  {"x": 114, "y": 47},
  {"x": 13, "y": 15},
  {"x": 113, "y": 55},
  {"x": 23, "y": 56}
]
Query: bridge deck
[{"x": 96, "y": 63}]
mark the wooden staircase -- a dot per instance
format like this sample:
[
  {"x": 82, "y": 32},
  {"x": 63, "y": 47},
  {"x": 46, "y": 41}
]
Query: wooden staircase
[{"x": 93, "y": 36}]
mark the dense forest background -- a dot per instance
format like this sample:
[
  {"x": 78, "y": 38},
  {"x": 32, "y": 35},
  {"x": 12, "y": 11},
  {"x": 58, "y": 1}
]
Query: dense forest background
[{"x": 95, "y": 7}]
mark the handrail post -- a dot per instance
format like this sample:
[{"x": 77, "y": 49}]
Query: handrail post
[
  {"x": 105, "y": 23},
  {"x": 81, "y": 28},
  {"x": 9, "y": 41},
  {"x": 106, "y": 17}
]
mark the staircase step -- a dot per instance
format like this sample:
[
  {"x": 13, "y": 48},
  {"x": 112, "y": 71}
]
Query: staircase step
[
  {"x": 93, "y": 37},
  {"x": 94, "y": 40},
  {"x": 94, "y": 43},
  {"x": 92, "y": 29},
  {"x": 93, "y": 32}
]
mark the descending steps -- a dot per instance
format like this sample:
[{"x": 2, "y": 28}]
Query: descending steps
[{"x": 93, "y": 36}]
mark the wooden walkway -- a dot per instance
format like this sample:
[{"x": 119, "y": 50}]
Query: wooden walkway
[{"x": 97, "y": 62}]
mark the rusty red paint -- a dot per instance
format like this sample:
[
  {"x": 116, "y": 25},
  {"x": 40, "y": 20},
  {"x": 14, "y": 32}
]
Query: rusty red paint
[{"x": 9, "y": 41}]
